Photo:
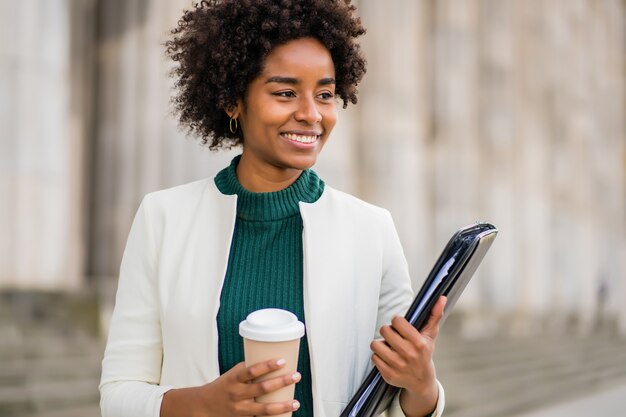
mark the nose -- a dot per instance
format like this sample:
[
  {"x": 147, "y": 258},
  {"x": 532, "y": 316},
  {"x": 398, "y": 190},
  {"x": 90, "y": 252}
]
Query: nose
[{"x": 307, "y": 111}]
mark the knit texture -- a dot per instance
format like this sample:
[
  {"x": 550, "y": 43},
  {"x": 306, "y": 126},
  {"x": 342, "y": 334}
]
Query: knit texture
[{"x": 265, "y": 266}]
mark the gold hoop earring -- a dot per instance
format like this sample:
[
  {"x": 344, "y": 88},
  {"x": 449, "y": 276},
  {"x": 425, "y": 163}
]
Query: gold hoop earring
[{"x": 230, "y": 125}]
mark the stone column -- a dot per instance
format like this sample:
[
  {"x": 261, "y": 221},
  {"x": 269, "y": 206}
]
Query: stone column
[
  {"x": 457, "y": 156},
  {"x": 138, "y": 146},
  {"x": 531, "y": 177},
  {"x": 602, "y": 140},
  {"x": 583, "y": 95},
  {"x": 393, "y": 129},
  {"x": 43, "y": 127},
  {"x": 498, "y": 278}
]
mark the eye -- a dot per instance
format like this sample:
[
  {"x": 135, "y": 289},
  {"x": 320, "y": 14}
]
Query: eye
[
  {"x": 326, "y": 96},
  {"x": 286, "y": 94}
]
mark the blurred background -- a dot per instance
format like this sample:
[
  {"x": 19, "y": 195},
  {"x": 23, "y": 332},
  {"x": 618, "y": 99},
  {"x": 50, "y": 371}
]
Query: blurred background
[{"x": 506, "y": 111}]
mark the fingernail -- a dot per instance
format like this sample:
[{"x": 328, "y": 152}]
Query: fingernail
[
  {"x": 281, "y": 362},
  {"x": 295, "y": 404},
  {"x": 296, "y": 377}
]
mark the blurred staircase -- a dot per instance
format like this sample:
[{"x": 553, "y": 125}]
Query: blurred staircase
[
  {"x": 50, "y": 355},
  {"x": 502, "y": 376}
]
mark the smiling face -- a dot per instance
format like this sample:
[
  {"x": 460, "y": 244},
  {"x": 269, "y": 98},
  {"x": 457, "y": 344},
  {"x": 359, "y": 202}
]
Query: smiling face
[{"x": 288, "y": 112}]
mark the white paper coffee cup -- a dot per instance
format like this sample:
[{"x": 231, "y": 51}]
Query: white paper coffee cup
[{"x": 272, "y": 333}]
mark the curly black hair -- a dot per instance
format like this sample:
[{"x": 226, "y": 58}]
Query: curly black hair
[{"x": 220, "y": 47}]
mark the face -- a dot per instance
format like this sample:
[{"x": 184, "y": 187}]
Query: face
[{"x": 290, "y": 109}]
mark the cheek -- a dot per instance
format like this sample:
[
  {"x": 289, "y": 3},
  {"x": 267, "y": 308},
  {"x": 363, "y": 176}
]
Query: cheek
[
  {"x": 275, "y": 116},
  {"x": 265, "y": 115},
  {"x": 329, "y": 119}
]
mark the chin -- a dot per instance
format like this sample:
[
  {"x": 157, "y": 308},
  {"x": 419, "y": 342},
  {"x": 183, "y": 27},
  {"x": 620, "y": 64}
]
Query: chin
[
  {"x": 300, "y": 159},
  {"x": 305, "y": 162},
  {"x": 302, "y": 166},
  {"x": 300, "y": 163}
]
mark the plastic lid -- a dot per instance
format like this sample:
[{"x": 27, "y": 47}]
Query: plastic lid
[{"x": 271, "y": 325}]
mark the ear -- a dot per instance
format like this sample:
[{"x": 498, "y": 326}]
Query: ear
[{"x": 233, "y": 112}]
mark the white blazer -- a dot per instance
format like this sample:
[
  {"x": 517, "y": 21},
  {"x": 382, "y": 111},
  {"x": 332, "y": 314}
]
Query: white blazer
[{"x": 163, "y": 332}]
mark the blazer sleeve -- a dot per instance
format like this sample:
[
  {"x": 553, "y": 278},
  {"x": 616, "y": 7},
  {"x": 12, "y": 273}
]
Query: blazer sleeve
[
  {"x": 131, "y": 368},
  {"x": 396, "y": 293},
  {"x": 395, "y": 298}
]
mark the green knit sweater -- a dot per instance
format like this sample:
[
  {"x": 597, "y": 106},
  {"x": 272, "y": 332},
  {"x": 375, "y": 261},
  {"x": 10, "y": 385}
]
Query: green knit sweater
[{"x": 265, "y": 266}]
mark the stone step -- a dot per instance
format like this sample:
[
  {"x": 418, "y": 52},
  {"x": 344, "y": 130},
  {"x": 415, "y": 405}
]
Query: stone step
[
  {"x": 550, "y": 381},
  {"x": 521, "y": 350},
  {"x": 25, "y": 371},
  {"x": 469, "y": 351},
  {"x": 534, "y": 397},
  {"x": 52, "y": 345},
  {"x": 92, "y": 410},
  {"x": 505, "y": 366},
  {"x": 37, "y": 397},
  {"x": 50, "y": 354},
  {"x": 498, "y": 377},
  {"x": 62, "y": 311}
]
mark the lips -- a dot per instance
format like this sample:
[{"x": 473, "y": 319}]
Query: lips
[{"x": 301, "y": 138}]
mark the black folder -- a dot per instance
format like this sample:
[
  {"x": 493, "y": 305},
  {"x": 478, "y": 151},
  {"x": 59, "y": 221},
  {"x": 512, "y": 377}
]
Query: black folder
[{"x": 451, "y": 273}]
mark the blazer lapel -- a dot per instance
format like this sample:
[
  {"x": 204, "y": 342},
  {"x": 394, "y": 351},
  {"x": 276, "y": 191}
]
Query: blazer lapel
[
  {"x": 212, "y": 236},
  {"x": 326, "y": 259}
]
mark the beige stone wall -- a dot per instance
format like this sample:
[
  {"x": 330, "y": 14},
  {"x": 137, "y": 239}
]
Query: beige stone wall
[
  {"x": 512, "y": 112},
  {"x": 508, "y": 111},
  {"x": 44, "y": 122},
  {"x": 138, "y": 147}
]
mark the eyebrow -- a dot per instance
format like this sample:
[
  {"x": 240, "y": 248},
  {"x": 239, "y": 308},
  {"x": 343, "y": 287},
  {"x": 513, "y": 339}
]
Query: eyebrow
[{"x": 291, "y": 80}]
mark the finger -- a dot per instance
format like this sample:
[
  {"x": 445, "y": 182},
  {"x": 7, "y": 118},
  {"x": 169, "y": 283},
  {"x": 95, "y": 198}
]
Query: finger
[
  {"x": 271, "y": 409},
  {"x": 400, "y": 343},
  {"x": 405, "y": 330},
  {"x": 270, "y": 385},
  {"x": 431, "y": 330},
  {"x": 246, "y": 374},
  {"x": 385, "y": 370},
  {"x": 386, "y": 354}
]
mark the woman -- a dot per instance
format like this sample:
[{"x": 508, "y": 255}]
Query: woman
[{"x": 266, "y": 232}]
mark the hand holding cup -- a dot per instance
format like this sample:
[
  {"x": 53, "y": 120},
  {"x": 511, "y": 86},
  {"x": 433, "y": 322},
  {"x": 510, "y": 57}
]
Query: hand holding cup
[
  {"x": 271, "y": 333},
  {"x": 233, "y": 393}
]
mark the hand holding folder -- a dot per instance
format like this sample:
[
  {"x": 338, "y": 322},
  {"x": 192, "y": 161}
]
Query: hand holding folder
[{"x": 451, "y": 273}]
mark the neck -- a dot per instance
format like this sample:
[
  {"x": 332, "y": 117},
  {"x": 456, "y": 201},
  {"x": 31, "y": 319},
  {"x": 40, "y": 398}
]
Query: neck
[{"x": 264, "y": 178}]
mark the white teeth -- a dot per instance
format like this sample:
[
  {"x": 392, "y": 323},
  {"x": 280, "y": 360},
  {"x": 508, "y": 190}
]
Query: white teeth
[{"x": 300, "y": 138}]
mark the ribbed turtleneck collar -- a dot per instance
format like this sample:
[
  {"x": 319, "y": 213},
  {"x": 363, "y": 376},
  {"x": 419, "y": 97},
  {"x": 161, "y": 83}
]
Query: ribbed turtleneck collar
[{"x": 273, "y": 205}]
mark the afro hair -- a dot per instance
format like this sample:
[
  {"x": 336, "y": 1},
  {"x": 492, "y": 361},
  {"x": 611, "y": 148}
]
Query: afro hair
[{"x": 220, "y": 47}]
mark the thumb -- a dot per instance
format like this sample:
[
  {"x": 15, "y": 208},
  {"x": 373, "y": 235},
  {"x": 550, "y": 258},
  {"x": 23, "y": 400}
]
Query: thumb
[{"x": 431, "y": 330}]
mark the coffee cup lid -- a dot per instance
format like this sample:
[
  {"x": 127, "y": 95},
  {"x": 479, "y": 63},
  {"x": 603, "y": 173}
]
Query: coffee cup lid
[{"x": 271, "y": 325}]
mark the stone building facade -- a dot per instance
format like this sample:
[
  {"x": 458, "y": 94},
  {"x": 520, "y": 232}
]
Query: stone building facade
[{"x": 509, "y": 111}]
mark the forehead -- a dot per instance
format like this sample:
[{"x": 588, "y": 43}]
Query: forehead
[{"x": 305, "y": 55}]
